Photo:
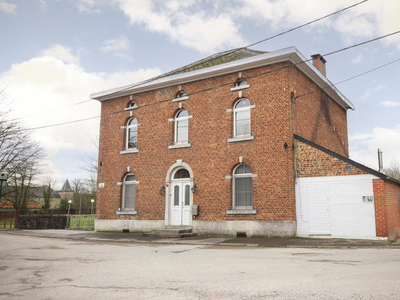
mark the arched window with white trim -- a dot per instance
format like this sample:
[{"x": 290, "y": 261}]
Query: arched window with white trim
[
  {"x": 242, "y": 118},
  {"x": 131, "y": 134},
  {"x": 242, "y": 189},
  {"x": 129, "y": 192},
  {"x": 182, "y": 127}
]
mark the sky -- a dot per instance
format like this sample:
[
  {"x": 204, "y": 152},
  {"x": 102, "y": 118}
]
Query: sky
[{"x": 55, "y": 53}]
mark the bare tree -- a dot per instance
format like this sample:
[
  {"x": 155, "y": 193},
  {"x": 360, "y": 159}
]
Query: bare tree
[
  {"x": 19, "y": 157},
  {"x": 393, "y": 170}
]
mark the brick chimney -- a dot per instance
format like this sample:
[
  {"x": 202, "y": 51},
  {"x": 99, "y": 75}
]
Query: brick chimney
[{"x": 319, "y": 62}]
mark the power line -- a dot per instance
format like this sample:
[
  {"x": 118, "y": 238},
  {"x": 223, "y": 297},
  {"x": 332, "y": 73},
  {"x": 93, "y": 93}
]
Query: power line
[
  {"x": 202, "y": 60},
  {"x": 49, "y": 111},
  {"x": 350, "y": 78},
  {"x": 197, "y": 63},
  {"x": 225, "y": 84}
]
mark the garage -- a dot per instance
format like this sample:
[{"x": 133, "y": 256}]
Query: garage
[{"x": 336, "y": 206}]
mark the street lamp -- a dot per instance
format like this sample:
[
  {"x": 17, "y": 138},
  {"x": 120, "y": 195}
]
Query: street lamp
[
  {"x": 91, "y": 210},
  {"x": 69, "y": 205},
  {"x": 3, "y": 177}
]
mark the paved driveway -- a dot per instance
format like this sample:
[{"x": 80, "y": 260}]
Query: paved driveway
[{"x": 48, "y": 268}]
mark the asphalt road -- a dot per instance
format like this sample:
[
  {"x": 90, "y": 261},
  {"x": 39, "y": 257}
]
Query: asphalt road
[{"x": 48, "y": 268}]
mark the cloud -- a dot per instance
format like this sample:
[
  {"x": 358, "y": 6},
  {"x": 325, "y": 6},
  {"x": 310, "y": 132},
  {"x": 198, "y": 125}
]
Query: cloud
[
  {"x": 389, "y": 103},
  {"x": 357, "y": 59},
  {"x": 61, "y": 52},
  {"x": 47, "y": 83},
  {"x": 8, "y": 7},
  {"x": 364, "y": 147},
  {"x": 117, "y": 46},
  {"x": 184, "y": 22},
  {"x": 370, "y": 91}
]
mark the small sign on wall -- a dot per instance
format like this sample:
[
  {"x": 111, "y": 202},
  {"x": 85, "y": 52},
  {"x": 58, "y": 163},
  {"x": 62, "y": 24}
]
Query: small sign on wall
[
  {"x": 101, "y": 185},
  {"x": 368, "y": 199}
]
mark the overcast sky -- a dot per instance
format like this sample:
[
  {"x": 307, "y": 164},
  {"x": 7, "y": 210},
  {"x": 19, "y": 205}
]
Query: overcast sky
[{"x": 55, "y": 53}]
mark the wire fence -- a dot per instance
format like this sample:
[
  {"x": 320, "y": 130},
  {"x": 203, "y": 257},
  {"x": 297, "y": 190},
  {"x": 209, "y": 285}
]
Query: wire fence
[{"x": 80, "y": 222}]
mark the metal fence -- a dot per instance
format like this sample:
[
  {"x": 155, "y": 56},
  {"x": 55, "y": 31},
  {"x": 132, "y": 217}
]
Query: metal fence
[
  {"x": 8, "y": 219},
  {"x": 80, "y": 222}
]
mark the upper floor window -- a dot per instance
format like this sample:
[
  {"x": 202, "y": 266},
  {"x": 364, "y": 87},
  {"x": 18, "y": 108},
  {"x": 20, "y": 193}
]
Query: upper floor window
[
  {"x": 240, "y": 84},
  {"x": 131, "y": 134},
  {"x": 241, "y": 118},
  {"x": 182, "y": 127},
  {"x": 181, "y": 96},
  {"x": 132, "y": 105}
]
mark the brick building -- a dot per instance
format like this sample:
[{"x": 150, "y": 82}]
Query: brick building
[{"x": 211, "y": 146}]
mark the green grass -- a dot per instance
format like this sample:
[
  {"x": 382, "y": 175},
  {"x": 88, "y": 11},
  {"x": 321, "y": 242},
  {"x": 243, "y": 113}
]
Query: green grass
[
  {"x": 7, "y": 223},
  {"x": 84, "y": 223}
]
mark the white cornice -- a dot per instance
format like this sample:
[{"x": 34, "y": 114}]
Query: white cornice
[{"x": 288, "y": 54}]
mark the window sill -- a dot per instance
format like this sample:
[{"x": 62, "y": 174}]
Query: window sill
[
  {"x": 239, "y": 88},
  {"x": 131, "y": 108},
  {"x": 127, "y": 151},
  {"x": 241, "y": 138},
  {"x": 121, "y": 211},
  {"x": 179, "y": 145},
  {"x": 180, "y": 99},
  {"x": 241, "y": 211}
]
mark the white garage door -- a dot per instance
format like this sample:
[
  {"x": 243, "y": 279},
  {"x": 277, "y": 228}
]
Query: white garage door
[{"x": 337, "y": 206}]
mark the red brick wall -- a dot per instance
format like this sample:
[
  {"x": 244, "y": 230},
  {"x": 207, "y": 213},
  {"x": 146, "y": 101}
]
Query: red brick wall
[
  {"x": 392, "y": 207},
  {"x": 387, "y": 208},
  {"x": 317, "y": 117},
  {"x": 311, "y": 162},
  {"x": 380, "y": 208},
  {"x": 210, "y": 156}
]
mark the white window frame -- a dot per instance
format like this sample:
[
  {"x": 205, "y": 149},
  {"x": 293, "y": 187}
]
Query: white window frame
[
  {"x": 180, "y": 144},
  {"x": 240, "y": 87},
  {"x": 127, "y": 127},
  {"x": 123, "y": 210},
  {"x": 180, "y": 98},
  {"x": 234, "y": 110},
  {"x": 240, "y": 210}
]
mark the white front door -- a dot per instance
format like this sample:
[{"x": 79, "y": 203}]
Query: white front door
[{"x": 180, "y": 203}]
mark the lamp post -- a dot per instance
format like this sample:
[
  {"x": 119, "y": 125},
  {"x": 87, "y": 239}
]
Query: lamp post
[
  {"x": 69, "y": 206},
  {"x": 80, "y": 206},
  {"x": 3, "y": 177},
  {"x": 91, "y": 210}
]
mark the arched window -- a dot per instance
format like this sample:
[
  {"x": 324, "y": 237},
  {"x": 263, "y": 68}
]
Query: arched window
[
  {"x": 182, "y": 127},
  {"x": 242, "y": 189},
  {"x": 181, "y": 94},
  {"x": 182, "y": 173},
  {"x": 132, "y": 104},
  {"x": 241, "y": 118},
  {"x": 129, "y": 192},
  {"x": 241, "y": 82},
  {"x": 131, "y": 134}
]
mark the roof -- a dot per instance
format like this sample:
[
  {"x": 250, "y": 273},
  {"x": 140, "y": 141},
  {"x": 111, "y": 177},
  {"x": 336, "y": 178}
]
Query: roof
[
  {"x": 66, "y": 187},
  {"x": 37, "y": 192},
  {"x": 347, "y": 160},
  {"x": 216, "y": 59},
  {"x": 224, "y": 63}
]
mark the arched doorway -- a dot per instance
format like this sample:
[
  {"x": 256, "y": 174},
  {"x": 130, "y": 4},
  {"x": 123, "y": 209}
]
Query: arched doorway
[{"x": 179, "y": 201}]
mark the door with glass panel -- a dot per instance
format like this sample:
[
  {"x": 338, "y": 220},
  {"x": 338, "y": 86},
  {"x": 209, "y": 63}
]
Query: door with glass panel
[{"x": 180, "y": 203}]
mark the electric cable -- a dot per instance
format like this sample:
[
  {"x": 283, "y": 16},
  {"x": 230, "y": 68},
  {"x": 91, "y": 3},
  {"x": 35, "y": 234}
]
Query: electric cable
[
  {"x": 201, "y": 61},
  {"x": 221, "y": 85}
]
